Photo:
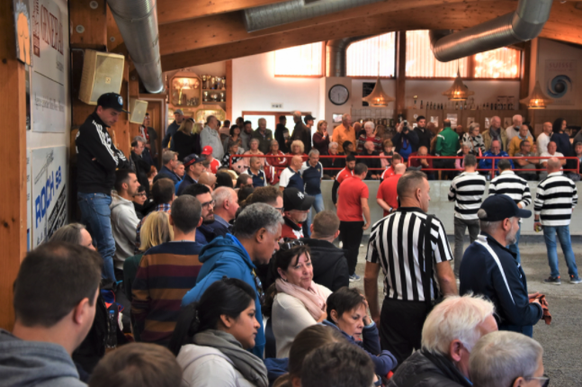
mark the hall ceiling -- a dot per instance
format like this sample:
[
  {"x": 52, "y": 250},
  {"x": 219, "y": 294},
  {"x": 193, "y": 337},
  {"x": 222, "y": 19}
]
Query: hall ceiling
[{"x": 194, "y": 32}]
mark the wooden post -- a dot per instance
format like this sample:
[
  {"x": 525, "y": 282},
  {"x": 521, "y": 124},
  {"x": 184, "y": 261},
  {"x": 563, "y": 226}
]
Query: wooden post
[
  {"x": 229, "y": 90},
  {"x": 13, "y": 213},
  {"x": 400, "y": 102}
]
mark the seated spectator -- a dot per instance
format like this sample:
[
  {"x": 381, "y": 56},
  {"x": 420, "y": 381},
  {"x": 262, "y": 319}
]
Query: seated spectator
[
  {"x": 74, "y": 233},
  {"x": 464, "y": 151},
  {"x": 137, "y": 365},
  {"x": 163, "y": 196},
  {"x": 268, "y": 195},
  {"x": 306, "y": 341},
  {"x": 254, "y": 151},
  {"x": 449, "y": 332},
  {"x": 280, "y": 160},
  {"x": 332, "y": 165},
  {"x": 225, "y": 208},
  {"x": 124, "y": 220},
  {"x": 186, "y": 140},
  {"x": 388, "y": 150},
  {"x": 294, "y": 301},
  {"x": 321, "y": 138},
  {"x": 204, "y": 233},
  {"x": 507, "y": 359},
  {"x": 214, "y": 335},
  {"x": 141, "y": 204},
  {"x": 578, "y": 153},
  {"x": 552, "y": 152},
  {"x": 166, "y": 272},
  {"x": 180, "y": 170},
  {"x": 256, "y": 233},
  {"x": 169, "y": 161},
  {"x": 55, "y": 296},
  {"x": 405, "y": 140},
  {"x": 347, "y": 312},
  {"x": 387, "y": 197},
  {"x": 291, "y": 176},
  {"x": 223, "y": 179},
  {"x": 194, "y": 168},
  {"x": 256, "y": 173},
  {"x": 337, "y": 365},
  {"x": 515, "y": 143},
  {"x": 296, "y": 208},
  {"x": 330, "y": 268},
  {"x": 371, "y": 162},
  {"x": 154, "y": 172},
  {"x": 474, "y": 139},
  {"x": 244, "y": 193},
  {"x": 213, "y": 164},
  {"x": 369, "y": 135},
  {"x": 494, "y": 152},
  {"x": 296, "y": 149},
  {"x": 244, "y": 180},
  {"x": 390, "y": 171},
  {"x": 422, "y": 164},
  {"x": 522, "y": 162},
  {"x": 208, "y": 179},
  {"x": 348, "y": 147},
  {"x": 238, "y": 163}
]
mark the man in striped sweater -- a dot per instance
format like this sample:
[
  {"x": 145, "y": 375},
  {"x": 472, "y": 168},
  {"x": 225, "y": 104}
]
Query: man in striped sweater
[
  {"x": 466, "y": 191},
  {"x": 166, "y": 273},
  {"x": 556, "y": 198},
  {"x": 508, "y": 183}
]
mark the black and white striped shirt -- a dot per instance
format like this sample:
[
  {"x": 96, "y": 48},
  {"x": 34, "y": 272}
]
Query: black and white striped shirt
[
  {"x": 508, "y": 183},
  {"x": 396, "y": 242},
  {"x": 467, "y": 191},
  {"x": 556, "y": 197}
]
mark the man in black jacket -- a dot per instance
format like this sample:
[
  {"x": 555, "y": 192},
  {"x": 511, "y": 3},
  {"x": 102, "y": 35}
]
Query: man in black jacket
[
  {"x": 449, "y": 333},
  {"x": 97, "y": 161},
  {"x": 424, "y": 134},
  {"x": 302, "y": 132},
  {"x": 330, "y": 266},
  {"x": 141, "y": 166}
]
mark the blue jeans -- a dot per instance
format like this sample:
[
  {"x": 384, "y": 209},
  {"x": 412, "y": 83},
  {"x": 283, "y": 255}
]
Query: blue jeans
[
  {"x": 96, "y": 215},
  {"x": 514, "y": 248},
  {"x": 318, "y": 206},
  {"x": 566, "y": 243}
]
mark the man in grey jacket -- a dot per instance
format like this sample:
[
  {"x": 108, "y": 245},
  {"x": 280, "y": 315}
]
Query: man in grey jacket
[
  {"x": 55, "y": 295},
  {"x": 210, "y": 137}
]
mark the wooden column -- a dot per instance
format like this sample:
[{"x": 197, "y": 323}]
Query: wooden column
[
  {"x": 525, "y": 73},
  {"x": 13, "y": 213},
  {"x": 400, "y": 102},
  {"x": 229, "y": 90}
]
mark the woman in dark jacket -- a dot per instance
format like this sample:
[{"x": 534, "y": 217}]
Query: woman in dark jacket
[
  {"x": 562, "y": 140},
  {"x": 185, "y": 142}
]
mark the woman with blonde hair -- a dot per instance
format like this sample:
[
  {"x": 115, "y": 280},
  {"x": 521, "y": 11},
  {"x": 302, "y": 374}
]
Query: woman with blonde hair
[
  {"x": 297, "y": 148},
  {"x": 186, "y": 140},
  {"x": 321, "y": 138},
  {"x": 388, "y": 148}
]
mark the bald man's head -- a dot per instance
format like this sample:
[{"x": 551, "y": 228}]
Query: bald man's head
[
  {"x": 296, "y": 162},
  {"x": 400, "y": 169},
  {"x": 208, "y": 179},
  {"x": 554, "y": 165},
  {"x": 409, "y": 183}
]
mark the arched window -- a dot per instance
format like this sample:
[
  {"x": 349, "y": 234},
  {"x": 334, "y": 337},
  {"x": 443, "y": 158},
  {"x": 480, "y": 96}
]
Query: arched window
[{"x": 364, "y": 56}]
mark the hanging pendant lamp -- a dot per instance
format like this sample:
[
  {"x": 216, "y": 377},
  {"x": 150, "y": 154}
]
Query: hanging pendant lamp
[
  {"x": 458, "y": 91},
  {"x": 378, "y": 98},
  {"x": 537, "y": 99}
]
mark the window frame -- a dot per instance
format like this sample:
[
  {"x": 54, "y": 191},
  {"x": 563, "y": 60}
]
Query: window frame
[
  {"x": 376, "y": 76},
  {"x": 323, "y": 62}
]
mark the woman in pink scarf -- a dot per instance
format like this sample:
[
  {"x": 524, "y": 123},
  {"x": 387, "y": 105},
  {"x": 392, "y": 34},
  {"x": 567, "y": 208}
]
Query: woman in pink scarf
[{"x": 298, "y": 302}]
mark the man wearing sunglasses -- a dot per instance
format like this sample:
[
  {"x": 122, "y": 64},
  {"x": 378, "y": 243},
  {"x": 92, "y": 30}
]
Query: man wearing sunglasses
[{"x": 297, "y": 205}]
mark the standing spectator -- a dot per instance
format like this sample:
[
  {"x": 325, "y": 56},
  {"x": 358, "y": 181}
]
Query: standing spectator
[
  {"x": 332, "y": 165},
  {"x": 466, "y": 191},
  {"x": 330, "y": 267},
  {"x": 387, "y": 197},
  {"x": 256, "y": 173},
  {"x": 210, "y": 137},
  {"x": 186, "y": 140},
  {"x": 405, "y": 140},
  {"x": 373, "y": 164},
  {"x": 204, "y": 232},
  {"x": 194, "y": 168},
  {"x": 522, "y": 135},
  {"x": 447, "y": 144},
  {"x": 234, "y": 137},
  {"x": 556, "y": 197},
  {"x": 173, "y": 128},
  {"x": 489, "y": 269},
  {"x": 422, "y": 164},
  {"x": 424, "y": 135},
  {"x": 309, "y": 120},
  {"x": 282, "y": 134},
  {"x": 97, "y": 161},
  {"x": 544, "y": 138},
  {"x": 371, "y": 136},
  {"x": 344, "y": 132},
  {"x": 264, "y": 135},
  {"x": 474, "y": 139},
  {"x": 124, "y": 220},
  {"x": 388, "y": 150},
  {"x": 321, "y": 138},
  {"x": 312, "y": 173},
  {"x": 407, "y": 293},
  {"x": 169, "y": 161},
  {"x": 246, "y": 135},
  {"x": 513, "y": 131},
  {"x": 291, "y": 176},
  {"x": 348, "y": 171},
  {"x": 351, "y": 204},
  {"x": 213, "y": 164},
  {"x": 562, "y": 140},
  {"x": 301, "y": 132},
  {"x": 507, "y": 183},
  {"x": 494, "y": 152},
  {"x": 296, "y": 207},
  {"x": 522, "y": 162},
  {"x": 495, "y": 132},
  {"x": 225, "y": 208},
  {"x": 166, "y": 272},
  {"x": 150, "y": 134},
  {"x": 224, "y": 130},
  {"x": 142, "y": 168},
  {"x": 257, "y": 231}
]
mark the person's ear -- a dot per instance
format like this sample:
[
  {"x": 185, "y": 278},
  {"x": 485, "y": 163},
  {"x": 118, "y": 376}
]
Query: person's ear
[
  {"x": 281, "y": 272},
  {"x": 260, "y": 235},
  {"x": 171, "y": 220},
  {"x": 334, "y": 316},
  {"x": 336, "y": 235},
  {"x": 518, "y": 382},
  {"x": 295, "y": 381},
  {"x": 200, "y": 222},
  {"x": 82, "y": 312},
  {"x": 455, "y": 350},
  {"x": 311, "y": 228},
  {"x": 227, "y": 321}
]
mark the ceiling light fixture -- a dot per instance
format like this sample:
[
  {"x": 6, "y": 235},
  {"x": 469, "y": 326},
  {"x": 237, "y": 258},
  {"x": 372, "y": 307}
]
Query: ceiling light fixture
[
  {"x": 537, "y": 99},
  {"x": 458, "y": 91}
]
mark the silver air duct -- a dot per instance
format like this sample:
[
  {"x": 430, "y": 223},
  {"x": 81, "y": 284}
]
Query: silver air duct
[
  {"x": 335, "y": 52},
  {"x": 273, "y": 15},
  {"x": 522, "y": 25},
  {"x": 138, "y": 23}
]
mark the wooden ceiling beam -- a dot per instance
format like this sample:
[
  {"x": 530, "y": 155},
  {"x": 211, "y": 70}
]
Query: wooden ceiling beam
[{"x": 171, "y": 11}]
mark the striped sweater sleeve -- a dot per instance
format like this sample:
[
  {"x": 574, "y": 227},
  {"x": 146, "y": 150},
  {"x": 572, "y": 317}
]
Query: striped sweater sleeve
[
  {"x": 140, "y": 303},
  {"x": 539, "y": 202},
  {"x": 574, "y": 196},
  {"x": 526, "y": 198}
]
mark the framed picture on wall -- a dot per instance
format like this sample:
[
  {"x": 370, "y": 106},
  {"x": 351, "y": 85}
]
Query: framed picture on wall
[{"x": 336, "y": 118}]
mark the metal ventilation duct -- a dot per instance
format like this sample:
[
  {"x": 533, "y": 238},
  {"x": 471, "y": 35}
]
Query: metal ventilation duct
[
  {"x": 336, "y": 53},
  {"x": 273, "y": 15},
  {"x": 138, "y": 23},
  {"x": 522, "y": 25}
]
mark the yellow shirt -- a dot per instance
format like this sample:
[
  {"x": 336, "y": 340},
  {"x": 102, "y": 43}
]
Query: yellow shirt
[
  {"x": 513, "y": 147},
  {"x": 341, "y": 135}
]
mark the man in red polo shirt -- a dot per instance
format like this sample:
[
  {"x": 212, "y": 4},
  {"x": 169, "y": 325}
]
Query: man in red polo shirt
[
  {"x": 348, "y": 171},
  {"x": 396, "y": 159},
  {"x": 387, "y": 198},
  {"x": 352, "y": 202}
]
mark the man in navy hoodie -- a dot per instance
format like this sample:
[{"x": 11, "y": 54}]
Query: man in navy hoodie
[{"x": 257, "y": 231}]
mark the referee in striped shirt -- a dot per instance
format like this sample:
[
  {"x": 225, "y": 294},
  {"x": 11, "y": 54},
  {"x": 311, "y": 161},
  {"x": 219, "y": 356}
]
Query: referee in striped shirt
[
  {"x": 556, "y": 198},
  {"x": 397, "y": 246},
  {"x": 508, "y": 183},
  {"x": 466, "y": 191}
]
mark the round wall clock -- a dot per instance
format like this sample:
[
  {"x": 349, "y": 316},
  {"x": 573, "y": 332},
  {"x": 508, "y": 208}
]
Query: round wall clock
[{"x": 339, "y": 94}]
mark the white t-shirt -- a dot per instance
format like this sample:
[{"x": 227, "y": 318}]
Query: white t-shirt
[
  {"x": 546, "y": 154},
  {"x": 543, "y": 141}
]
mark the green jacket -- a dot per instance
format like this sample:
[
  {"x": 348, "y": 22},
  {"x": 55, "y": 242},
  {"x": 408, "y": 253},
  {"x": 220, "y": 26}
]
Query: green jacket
[{"x": 447, "y": 143}]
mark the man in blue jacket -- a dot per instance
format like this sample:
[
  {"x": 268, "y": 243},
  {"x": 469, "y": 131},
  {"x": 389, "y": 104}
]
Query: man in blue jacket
[
  {"x": 257, "y": 231},
  {"x": 490, "y": 269}
]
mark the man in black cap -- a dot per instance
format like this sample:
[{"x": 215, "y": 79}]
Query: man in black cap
[
  {"x": 193, "y": 164},
  {"x": 490, "y": 269},
  {"x": 296, "y": 205},
  {"x": 97, "y": 160}
]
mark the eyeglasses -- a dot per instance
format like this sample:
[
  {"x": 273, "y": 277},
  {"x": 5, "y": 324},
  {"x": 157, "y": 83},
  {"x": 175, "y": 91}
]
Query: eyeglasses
[
  {"x": 259, "y": 286},
  {"x": 210, "y": 203},
  {"x": 280, "y": 209},
  {"x": 291, "y": 244},
  {"x": 544, "y": 380}
]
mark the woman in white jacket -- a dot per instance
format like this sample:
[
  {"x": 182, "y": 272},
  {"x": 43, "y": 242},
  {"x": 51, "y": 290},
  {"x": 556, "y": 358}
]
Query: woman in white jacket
[
  {"x": 212, "y": 337},
  {"x": 296, "y": 302}
]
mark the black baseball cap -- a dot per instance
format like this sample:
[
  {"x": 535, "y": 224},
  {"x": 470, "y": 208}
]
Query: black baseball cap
[
  {"x": 501, "y": 207},
  {"x": 192, "y": 159},
  {"x": 293, "y": 199},
  {"x": 111, "y": 101},
  {"x": 308, "y": 117}
]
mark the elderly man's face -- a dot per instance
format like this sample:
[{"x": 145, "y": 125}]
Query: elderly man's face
[
  {"x": 297, "y": 161},
  {"x": 256, "y": 165},
  {"x": 552, "y": 147},
  {"x": 517, "y": 121},
  {"x": 495, "y": 147},
  {"x": 262, "y": 124},
  {"x": 526, "y": 147},
  {"x": 369, "y": 146},
  {"x": 333, "y": 150},
  {"x": 347, "y": 121},
  {"x": 313, "y": 160},
  {"x": 495, "y": 122},
  {"x": 486, "y": 327},
  {"x": 523, "y": 131},
  {"x": 422, "y": 151},
  {"x": 138, "y": 149}
]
